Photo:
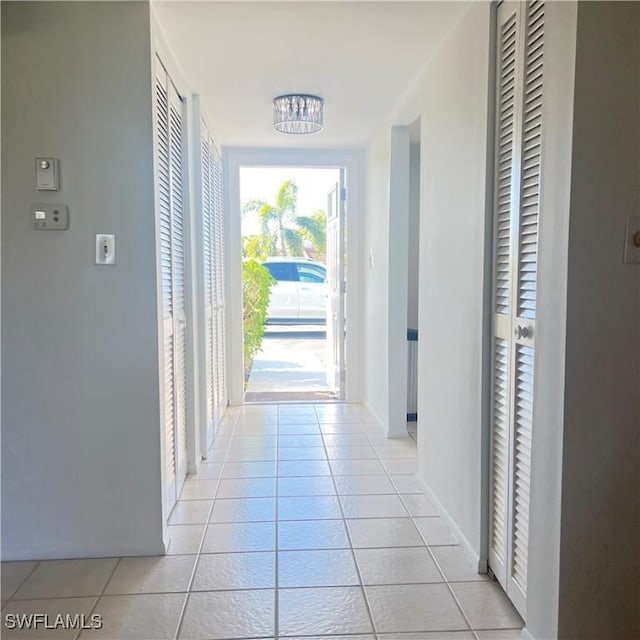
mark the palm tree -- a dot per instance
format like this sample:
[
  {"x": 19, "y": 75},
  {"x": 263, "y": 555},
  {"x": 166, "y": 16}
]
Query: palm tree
[
  {"x": 276, "y": 219},
  {"x": 282, "y": 229}
]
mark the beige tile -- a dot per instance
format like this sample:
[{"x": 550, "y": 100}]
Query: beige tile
[
  {"x": 252, "y": 455},
  {"x": 298, "y": 429},
  {"x": 190, "y": 512},
  {"x": 499, "y": 634},
  {"x": 249, "y": 469},
  {"x": 435, "y": 531},
  {"x": 184, "y": 538},
  {"x": 244, "y": 510},
  {"x": 381, "y": 506},
  {"x": 364, "y": 485},
  {"x": 212, "y": 615},
  {"x": 392, "y": 451},
  {"x": 247, "y": 488},
  {"x": 419, "y": 505},
  {"x": 209, "y": 471},
  {"x": 312, "y": 534},
  {"x": 13, "y": 575},
  {"x": 254, "y": 442},
  {"x": 384, "y": 532},
  {"x": 163, "y": 574},
  {"x": 67, "y": 578},
  {"x": 354, "y": 637},
  {"x": 406, "y": 484},
  {"x": 216, "y": 455},
  {"x": 50, "y": 608},
  {"x": 313, "y": 486},
  {"x": 321, "y": 611},
  {"x": 316, "y": 568},
  {"x": 414, "y": 607},
  {"x": 429, "y": 635},
  {"x": 351, "y": 453},
  {"x": 139, "y": 617},
  {"x": 302, "y": 468},
  {"x": 297, "y": 418},
  {"x": 346, "y": 440},
  {"x": 230, "y": 571},
  {"x": 199, "y": 490},
  {"x": 400, "y": 466},
  {"x": 357, "y": 467},
  {"x": 455, "y": 566},
  {"x": 341, "y": 427},
  {"x": 397, "y": 566},
  {"x": 301, "y": 440},
  {"x": 302, "y": 453},
  {"x": 236, "y": 537},
  {"x": 309, "y": 508},
  {"x": 486, "y": 605},
  {"x": 254, "y": 428},
  {"x": 221, "y": 443}
]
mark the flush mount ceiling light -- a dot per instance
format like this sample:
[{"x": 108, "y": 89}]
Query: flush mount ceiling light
[{"x": 297, "y": 113}]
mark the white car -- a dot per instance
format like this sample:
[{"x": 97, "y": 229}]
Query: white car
[{"x": 300, "y": 292}]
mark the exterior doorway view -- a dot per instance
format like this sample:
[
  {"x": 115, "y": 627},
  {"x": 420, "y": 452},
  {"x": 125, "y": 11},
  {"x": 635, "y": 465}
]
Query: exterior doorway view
[{"x": 293, "y": 283}]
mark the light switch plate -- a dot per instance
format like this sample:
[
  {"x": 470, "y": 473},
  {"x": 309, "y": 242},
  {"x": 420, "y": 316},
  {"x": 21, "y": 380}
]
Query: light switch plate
[
  {"x": 50, "y": 217},
  {"x": 105, "y": 249},
  {"x": 47, "y": 174},
  {"x": 632, "y": 241}
]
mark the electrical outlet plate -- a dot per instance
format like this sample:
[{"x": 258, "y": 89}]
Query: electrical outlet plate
[{"x": 50, "y": 217}]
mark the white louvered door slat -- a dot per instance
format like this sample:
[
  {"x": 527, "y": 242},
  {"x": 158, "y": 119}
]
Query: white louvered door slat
[
  {"x": 504, "y": 207},
  {"x": 177, "y": 157},
  {"x": 218, "y": 215},
  {"x": 163, "y": 188},
  {"x": 207, "y": 223},
  {"x": 170, "y": 176},
  {"x": 519, "y": 131}
]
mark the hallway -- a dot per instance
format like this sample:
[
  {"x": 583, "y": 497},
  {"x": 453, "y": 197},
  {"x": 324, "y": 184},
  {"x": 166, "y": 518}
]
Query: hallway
[{"x": 309, "y": 502}]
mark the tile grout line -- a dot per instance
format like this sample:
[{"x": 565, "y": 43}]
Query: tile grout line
[
  {"x": 104, "y": 588},
  {"x": 196, "y": 564},
  {"x": 353, "y": 553},
  {"x": 21, "y": 584}
]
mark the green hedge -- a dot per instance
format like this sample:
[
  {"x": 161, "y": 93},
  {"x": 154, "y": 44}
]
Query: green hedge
[{"x": 256, "y": 289}]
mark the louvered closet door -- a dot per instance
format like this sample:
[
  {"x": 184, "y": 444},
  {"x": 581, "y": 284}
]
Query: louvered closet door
[
  {"x": 207, "y": 234},
  {"x": 219, "y": 278},
  {"x": 170, "y": 179},
  {"x": 178, "y": 235},
  {"x": 163, "y": 189},
  {"x": 516, "y": 214}
]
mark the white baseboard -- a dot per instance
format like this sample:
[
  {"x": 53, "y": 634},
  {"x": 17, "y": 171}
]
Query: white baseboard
[{"x": 467, "y": 548}]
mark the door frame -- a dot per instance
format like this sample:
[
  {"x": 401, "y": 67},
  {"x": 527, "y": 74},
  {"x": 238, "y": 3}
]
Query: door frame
[{"x": 353, "y": 162}]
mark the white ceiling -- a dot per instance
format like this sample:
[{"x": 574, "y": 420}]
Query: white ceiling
[{"x": 361, "y": 57}]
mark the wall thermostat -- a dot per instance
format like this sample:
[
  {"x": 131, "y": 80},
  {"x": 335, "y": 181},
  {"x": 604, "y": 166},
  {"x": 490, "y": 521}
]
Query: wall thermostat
[
  {"x": 50, "y": 217},
  {"x": 47, "y": 174}
]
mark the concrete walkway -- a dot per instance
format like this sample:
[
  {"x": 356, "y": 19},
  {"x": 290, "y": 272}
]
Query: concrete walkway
[{"x": 292, "y": 360}]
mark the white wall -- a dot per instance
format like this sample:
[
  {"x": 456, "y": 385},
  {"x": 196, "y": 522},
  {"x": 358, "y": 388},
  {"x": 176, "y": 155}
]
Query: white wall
[
  {"x": 81, "y": 471},
  {"x": 414, "y": 235},
  {"x": 600, "y": 530},
  {"x": 376, "y": 278},
  {"x": 454, "y": 118}
]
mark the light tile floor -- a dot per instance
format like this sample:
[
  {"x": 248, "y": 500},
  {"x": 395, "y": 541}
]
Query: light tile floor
[{"x": 304, "y": 522}]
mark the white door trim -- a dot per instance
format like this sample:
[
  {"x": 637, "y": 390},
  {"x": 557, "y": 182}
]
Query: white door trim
[{"x": 353, "y": 161}]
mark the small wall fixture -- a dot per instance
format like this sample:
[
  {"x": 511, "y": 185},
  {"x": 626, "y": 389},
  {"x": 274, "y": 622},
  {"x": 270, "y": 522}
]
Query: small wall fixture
[{"x": 297, "y": 113}]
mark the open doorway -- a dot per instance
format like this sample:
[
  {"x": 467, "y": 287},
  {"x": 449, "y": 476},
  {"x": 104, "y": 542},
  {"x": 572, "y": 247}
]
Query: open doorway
[{"x": 293, "y": 282}]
